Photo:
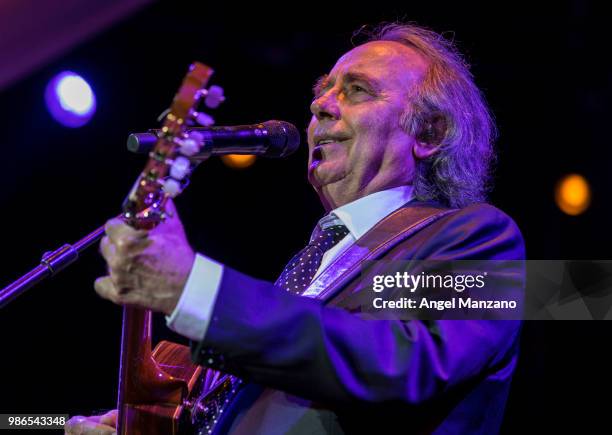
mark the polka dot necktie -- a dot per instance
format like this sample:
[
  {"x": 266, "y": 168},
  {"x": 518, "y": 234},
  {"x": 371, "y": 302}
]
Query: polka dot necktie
[
  {"x": 296, "y": 276},
  {"x": 302, "y": 268}
]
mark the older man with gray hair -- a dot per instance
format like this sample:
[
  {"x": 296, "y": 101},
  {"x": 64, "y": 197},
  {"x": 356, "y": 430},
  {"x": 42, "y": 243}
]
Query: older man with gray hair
[{"x": 400, "y": 150}]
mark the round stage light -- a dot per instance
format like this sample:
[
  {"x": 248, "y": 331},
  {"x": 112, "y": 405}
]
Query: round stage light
[
  {"x": 70, "y": 100},
  {"x": 238, "y": 161},
  {"x": 573, "y": 194}
]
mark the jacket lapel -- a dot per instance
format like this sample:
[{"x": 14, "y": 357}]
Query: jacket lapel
[{"x": 393, "y": 229}]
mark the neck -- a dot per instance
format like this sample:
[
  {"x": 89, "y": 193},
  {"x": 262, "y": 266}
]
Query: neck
[{"x": 333, "y": 196}]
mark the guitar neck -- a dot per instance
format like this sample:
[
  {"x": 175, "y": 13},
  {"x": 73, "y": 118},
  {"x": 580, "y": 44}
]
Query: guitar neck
[{"x": 143, "y": 385}]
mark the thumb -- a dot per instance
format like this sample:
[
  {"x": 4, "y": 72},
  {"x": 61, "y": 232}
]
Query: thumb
[{"x": 110, "y": 418}]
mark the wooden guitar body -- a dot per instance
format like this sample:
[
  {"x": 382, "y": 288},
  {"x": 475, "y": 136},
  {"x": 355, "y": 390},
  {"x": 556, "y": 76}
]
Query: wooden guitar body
[{"x": 166, "y": 418}]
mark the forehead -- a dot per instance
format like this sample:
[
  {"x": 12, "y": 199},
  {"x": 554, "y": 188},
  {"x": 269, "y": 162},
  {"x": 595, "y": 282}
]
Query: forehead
[{"x": 389, "y": 62}]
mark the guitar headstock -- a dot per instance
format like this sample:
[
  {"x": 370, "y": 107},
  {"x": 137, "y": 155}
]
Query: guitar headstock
[{"x": 167, "y": 171}]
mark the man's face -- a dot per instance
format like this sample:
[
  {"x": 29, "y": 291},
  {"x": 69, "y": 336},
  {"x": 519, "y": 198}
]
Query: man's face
[{"x": 356, "y": 144}]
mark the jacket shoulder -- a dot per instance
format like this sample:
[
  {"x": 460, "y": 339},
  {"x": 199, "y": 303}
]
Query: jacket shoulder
[{"x": 480, "y": 231}]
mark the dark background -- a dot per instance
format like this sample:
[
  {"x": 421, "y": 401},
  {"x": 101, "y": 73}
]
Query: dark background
[{"x": 543, "y": 68}]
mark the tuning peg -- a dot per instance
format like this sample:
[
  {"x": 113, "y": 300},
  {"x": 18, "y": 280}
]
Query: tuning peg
[
  {"x": 204, "y": 119},
  {"x": 180, "y": 168},
  {"x": 172, "y": 187},
  {"x": 214, "y": 97},
  {"x": 190, "y": 146}
]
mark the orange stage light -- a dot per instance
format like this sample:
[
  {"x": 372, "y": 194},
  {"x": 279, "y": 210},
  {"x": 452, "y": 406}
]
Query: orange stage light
[
  {"x": 573, "y": 194},
  {"x": 238, "y": 161}
]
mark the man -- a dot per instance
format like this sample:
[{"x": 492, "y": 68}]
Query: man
[{"x": 400, "y": 145}]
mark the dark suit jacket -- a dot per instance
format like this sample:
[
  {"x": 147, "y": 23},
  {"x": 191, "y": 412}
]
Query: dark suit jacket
[{"x": 330, "y": 371}]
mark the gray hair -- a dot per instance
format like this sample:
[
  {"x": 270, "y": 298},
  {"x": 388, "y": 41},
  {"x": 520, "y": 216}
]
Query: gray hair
[{"x": 448, "y": 110}]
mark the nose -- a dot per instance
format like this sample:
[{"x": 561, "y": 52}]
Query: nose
[{"x": 325, "y": 106}]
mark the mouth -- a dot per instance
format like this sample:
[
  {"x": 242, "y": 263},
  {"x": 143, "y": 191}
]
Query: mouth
[
  {"x": 327, "y": 139},
  {"x": 323, "y": 142},
  {"x": 317, "y": 153}
]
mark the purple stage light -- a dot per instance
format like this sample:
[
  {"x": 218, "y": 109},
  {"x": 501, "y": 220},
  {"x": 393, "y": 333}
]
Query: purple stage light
[{"x": 70, "y": 99}]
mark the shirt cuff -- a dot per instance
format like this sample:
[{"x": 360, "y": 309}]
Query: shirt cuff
[{"x": 192, "y": 314}]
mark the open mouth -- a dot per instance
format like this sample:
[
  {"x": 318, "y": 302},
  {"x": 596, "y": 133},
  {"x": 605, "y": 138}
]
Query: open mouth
[
  {"x": 317, "y": 152},
  {"x": 327, "y": 141}
]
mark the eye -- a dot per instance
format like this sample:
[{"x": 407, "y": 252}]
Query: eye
[{"x": 357, "y": 88}]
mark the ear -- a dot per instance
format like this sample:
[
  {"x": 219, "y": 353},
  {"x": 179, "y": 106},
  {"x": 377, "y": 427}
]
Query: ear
[
  {"x": 430, "y": 136},
  {"x": 422, "y": 150}
]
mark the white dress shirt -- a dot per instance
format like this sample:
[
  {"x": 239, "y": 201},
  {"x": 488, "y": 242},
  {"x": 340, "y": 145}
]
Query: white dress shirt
[{"x": 192, "y": 313}]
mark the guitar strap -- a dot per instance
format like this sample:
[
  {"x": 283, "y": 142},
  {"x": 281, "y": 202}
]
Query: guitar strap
[{"x": 384, "y": 236}]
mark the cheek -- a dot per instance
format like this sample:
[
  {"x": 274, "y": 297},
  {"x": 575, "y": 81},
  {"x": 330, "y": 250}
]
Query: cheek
[
  {"x": 371, "y": 130},
  {"x": 380, "y": 125},
  {"x": 378, "y": 135}
]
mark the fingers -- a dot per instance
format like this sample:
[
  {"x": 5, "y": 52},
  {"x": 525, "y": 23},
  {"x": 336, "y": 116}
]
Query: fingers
[
  {"x": 120, "y": 266},
  {"x": 146, "y": 269},
  {"x": 108, "y": 289},
  {"x": 121, "y": 245},
  {"x": 122, "y": 235},
  {"x": 80, "y": 425},
  {"x": 105, "y": 287},
  {"x": 125, "y": 238},
  {"x": 110, "y": 418},
  {"x": 107, "y": 249}
]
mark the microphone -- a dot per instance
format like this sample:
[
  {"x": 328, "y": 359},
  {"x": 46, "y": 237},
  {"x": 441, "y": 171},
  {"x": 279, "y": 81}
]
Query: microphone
[{"x": 269, "y": 139}]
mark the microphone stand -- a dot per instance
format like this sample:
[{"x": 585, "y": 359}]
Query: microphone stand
[{"x": 51, "y": 263}]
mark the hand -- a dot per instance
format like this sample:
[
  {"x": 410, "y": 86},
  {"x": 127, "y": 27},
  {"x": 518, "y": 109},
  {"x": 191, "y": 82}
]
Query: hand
[
  {"x": 95, "y": 425},
  {"x": 147, "y": 269}
]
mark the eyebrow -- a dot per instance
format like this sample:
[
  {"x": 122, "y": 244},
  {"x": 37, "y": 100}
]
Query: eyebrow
[
  {"x": 320, "y": 83},
  {"x": 349, "y": 77}
]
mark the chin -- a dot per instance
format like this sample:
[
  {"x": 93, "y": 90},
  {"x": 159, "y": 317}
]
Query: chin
[
  {"x": 324, "y": 174},
  {"x": 314, "y": 179}
]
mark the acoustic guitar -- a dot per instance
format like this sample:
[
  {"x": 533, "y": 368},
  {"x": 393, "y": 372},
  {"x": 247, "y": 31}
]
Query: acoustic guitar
[{"x": 158, "y": 388}]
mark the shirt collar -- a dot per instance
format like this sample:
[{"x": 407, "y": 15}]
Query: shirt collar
[{"x": 362, "y": 214}]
